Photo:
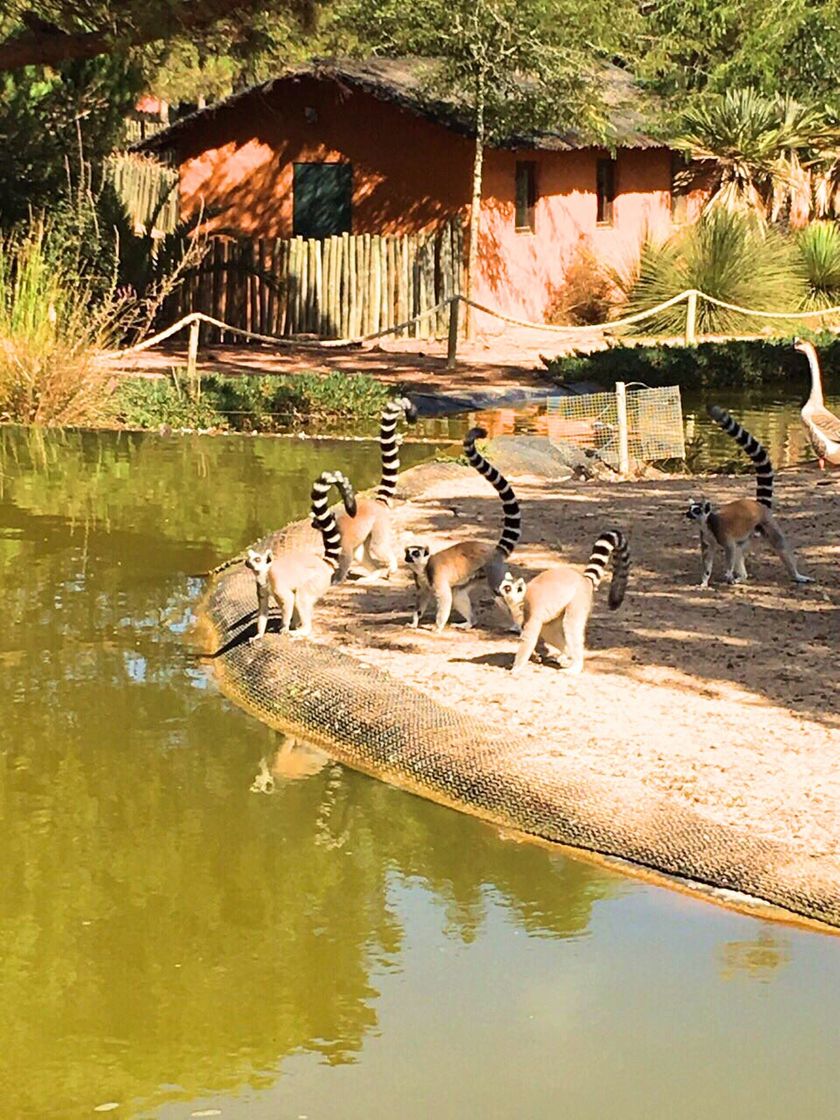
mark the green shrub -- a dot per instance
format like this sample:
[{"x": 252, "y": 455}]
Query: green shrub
[
  {"x": 738, "y": 363},
  {"x": 729, "y": 256},
  {"x": 819, "y": 248},
  {"x": 259, "y": 403}
]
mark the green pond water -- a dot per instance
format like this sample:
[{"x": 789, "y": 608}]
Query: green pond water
[{"x": 175, "y": 945}]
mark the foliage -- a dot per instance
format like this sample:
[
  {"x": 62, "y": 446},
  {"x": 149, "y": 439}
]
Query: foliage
[
  {"x": 739, "y": 363},
  {"x": 761, "y": 148},
  {"x": 712, "y": 45},
  {"x": 731, "y": 257},
  {"x": 587, "y": 293},
  {"x": 51, "y": 122},
  {"x": 52, "y": 322},
  {"x": 259, "y": 403},
  {"x": 819, "y": 247}
]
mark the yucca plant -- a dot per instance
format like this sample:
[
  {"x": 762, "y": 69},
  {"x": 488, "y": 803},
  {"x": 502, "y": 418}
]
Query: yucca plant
[
  {"x": 730, "y": 256},
  {"x": 819, "y": 251},
  {"x": 51, "y": 327},
  {"x": 761, "y": 149}
]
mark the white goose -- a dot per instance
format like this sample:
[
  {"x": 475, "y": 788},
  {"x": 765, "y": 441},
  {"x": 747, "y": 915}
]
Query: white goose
[{"x": 823, "y": 427}]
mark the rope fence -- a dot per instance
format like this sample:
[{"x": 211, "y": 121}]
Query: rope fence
[{"x": 691, "y": 298}]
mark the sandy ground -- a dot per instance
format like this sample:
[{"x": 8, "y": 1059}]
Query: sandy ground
[{"x": 725, "y": 699}]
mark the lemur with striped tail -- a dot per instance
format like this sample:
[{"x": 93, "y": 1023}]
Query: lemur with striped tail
[
  {"x": 368, "y": 536},
  {"x": 447, "y": 577},
  {"x": 734, "y": 524},
  {"x": 297, "y": 580},
  {"x": 554, "y": 608}
]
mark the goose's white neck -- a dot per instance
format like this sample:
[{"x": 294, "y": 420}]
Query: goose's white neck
[{"x": 816, "y": 397}]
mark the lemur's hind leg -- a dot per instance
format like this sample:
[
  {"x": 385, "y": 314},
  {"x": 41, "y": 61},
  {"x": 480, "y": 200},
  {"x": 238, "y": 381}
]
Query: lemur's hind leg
[
  {"x": 463, "y": 605},
  {"x": 553, "y": 635},
  {"x": 305, "y": 605},
  {"x": 443, "y": 594},
  {"x": 574, "y": 631},
  {"x": 380, "y": 550},
  {"x": 423, "y": 600},
  {"x": 735, "y": 570},
  {"x": 777, "y": 542}
]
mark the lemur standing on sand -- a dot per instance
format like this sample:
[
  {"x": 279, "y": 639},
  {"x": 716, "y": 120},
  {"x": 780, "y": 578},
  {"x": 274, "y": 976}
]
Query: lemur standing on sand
[
  {"x": 447, "y": 577},
  {"x": 734, "y": 524},
  {"x": 554, "y": 608},
  {"x": 368, "y": 535},
  {"x": 297, "y": 580}
]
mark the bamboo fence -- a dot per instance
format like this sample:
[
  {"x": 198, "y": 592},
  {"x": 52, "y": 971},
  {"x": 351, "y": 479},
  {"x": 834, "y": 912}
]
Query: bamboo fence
[{"x": 337, "y": 287}]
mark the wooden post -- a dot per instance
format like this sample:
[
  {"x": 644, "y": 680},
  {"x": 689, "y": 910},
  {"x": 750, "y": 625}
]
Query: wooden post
[
  {"x": 623, "y": 437},
  {"x": 452, "y": 347},
  {"x": 192, "y": 359},
  {"x": 691, "y": 318}
]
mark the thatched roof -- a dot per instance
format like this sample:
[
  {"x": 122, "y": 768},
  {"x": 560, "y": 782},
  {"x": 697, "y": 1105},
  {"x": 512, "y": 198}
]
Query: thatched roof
[{"x": 405, "y": 82}]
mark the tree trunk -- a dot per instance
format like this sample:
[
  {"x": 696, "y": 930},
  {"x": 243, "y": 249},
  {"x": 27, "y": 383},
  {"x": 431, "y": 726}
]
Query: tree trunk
[{"x": 475, "y": 200}]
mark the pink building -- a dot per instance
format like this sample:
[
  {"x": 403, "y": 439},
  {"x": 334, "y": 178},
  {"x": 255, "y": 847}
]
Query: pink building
[{"x": 357, "y": 147}]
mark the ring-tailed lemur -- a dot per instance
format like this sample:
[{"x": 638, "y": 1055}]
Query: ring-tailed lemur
[
  {"x": 446, "y": 577},
  {"x": 554, "y": 607},
  {"x": 368, "y": 536},
  {"x": 298, "y": 579},
  {"x": 734, "y": 524}
]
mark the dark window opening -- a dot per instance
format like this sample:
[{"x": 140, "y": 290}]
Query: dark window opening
[
  {"x": 680, "y": 185},
  {"x": 322, "y": 198},
  {"x": 605, "y": 185},
  {"x": 526, "y": 194}
]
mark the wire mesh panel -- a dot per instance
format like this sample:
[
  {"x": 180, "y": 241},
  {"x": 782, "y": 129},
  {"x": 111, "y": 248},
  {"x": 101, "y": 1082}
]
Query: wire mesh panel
[{"x": 654, "y": 424}]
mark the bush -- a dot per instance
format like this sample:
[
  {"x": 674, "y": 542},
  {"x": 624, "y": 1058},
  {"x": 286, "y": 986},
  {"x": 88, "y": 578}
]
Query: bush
[
  {"x": 260, "y": 403},
  {"x": 586, "y": 295},
  {"x": 51, "y": 326},
  {"x": 732, "y": 257},
  {"x": 710, "y": 364},
  {"x": 819, "y": 248}
]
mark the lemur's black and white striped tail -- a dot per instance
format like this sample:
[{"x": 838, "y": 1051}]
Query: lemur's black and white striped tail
[
  {"x": 323, "y": 519},
  {"x": 512, "y": 528},
  {"x": 612, "y": 543},
  {"x": 389, "y": 444},
  {"x": 748, "y": 443}
]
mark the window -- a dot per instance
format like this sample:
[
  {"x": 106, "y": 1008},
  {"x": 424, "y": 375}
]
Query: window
[
  {"x": 322, "y": 199},
  {"x": 605, "y": 186},
  {"x": 526, "y": 194},
  {"x": 680, "y": 185}
]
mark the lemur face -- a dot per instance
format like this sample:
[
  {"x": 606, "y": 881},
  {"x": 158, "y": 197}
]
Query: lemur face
[
  {"x": 259, "y": 562},
  {"x": 417, "y": 555},
  {"x": 698, "y": 511},
  {"x": 512, "y": 590}
]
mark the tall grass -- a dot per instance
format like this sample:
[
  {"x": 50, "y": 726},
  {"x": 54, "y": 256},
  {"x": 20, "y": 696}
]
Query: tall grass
[
  {"x": 51, "y": 325},
  {"x": 730, "y": 256}
]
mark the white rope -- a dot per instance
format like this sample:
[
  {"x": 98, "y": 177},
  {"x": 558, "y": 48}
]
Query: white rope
[
  {"x": 316, "y": 344},
  {"x": 335, "y": 343}
]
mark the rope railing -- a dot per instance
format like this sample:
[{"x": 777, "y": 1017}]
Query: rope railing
[{"x": 691, "y": 297}]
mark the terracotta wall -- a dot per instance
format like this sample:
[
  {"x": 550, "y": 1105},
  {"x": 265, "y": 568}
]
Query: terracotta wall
[{"x": 408, "y": 175}]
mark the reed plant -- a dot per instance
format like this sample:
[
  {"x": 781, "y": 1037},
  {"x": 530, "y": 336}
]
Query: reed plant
[{"x": 52, "y": 323}]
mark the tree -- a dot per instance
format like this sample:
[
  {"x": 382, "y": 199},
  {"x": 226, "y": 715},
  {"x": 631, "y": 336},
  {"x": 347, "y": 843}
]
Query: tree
[
  {"x": 766, "y": 151},
  {"x": 778, "y": 46},
  {"x": 56, "y": 31},
  {"x": 512, "y": 66}
]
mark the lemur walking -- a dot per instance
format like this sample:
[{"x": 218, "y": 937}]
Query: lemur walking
[
  {"x": 298, "y": 579},
  {"x": 554, "y": 608},
  {"x": 447, "y": 577},
  {"x": 734, "y": 524},
  {"x": 368, "y": 536}
]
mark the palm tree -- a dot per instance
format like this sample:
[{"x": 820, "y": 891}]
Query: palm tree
[{"x": 765, "y": 151}]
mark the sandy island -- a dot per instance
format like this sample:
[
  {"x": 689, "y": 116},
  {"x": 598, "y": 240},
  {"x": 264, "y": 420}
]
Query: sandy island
[{"x": 724, "y": 699}]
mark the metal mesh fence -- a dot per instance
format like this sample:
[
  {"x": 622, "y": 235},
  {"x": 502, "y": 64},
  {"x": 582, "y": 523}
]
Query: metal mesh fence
[{"x": 654, "y": 423}]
